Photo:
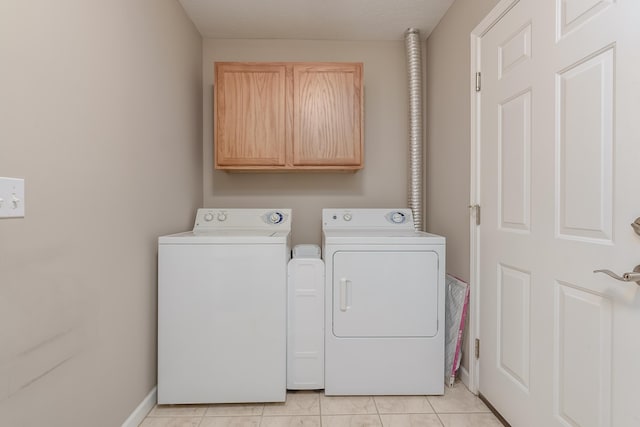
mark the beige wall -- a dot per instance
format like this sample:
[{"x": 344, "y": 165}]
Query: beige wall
[
  {"x": 448, "y": 130},
  {"x": 382, "y": 182},
  {"x": 100, "y": 107}
]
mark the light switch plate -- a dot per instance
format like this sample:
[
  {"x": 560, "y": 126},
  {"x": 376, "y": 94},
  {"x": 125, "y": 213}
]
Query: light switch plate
[{"x": 12, "y": 198}]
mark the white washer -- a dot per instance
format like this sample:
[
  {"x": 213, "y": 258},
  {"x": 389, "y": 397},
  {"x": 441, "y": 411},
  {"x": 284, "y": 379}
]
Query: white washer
[
  {"x": 384, "y": 322},
  {"x": 222, "y": 292}
]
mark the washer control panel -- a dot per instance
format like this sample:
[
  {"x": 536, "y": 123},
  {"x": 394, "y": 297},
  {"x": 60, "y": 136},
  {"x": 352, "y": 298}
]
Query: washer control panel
[
  {"x": 208, "y": 219},
  {"x": 367, "y": 218}
]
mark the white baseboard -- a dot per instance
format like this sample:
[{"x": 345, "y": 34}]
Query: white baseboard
[
  {"x": 464, "y": 376},
  {"x": 142, "y": 410}
]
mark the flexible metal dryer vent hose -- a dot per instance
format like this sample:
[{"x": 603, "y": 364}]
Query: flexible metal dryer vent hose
[{"x": 414, "y": 68}]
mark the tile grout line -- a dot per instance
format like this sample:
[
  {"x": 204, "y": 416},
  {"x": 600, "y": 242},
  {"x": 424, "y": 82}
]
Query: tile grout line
[
  {"x": 435, "y": 412},
  {"x": 429, "y": 403},
  {"x": 377, "y": 410}
]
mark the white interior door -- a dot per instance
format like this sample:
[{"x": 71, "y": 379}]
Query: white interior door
[{"x": 559, "y": 172}]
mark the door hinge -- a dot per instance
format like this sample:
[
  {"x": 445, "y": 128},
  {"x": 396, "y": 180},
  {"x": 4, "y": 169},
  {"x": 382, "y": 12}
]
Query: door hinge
[
  {"x": 477, "y": 348},
  {"x": 476, "y": 212},
  {"x": 478, "y": 81}
]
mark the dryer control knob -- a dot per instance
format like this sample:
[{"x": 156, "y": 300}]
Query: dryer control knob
[
  {"x": 275, "y": 218},
  {"x": 398, "y": 217},
  {"x": 347, "y": 217},
  {"x": 222, "y": 216},
  {"x": 208, "y": 217}
]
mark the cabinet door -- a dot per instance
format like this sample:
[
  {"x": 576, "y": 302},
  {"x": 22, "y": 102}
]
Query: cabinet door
[
  {"x": 249, "y": 114},
  {"x": 327, "y": 114}
]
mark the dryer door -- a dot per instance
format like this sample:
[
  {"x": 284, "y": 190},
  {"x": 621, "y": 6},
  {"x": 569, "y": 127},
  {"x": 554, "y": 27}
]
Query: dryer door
[{"x": 385, "y": 294}]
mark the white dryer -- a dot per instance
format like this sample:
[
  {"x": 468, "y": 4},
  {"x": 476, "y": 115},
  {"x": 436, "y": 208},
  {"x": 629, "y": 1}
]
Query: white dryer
[
  {"x": 222, "y": 292},
  {"x": 384, "y": 323}
]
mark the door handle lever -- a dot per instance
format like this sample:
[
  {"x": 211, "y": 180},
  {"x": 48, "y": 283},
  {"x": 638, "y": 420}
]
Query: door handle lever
[{"x": 626, "y": 277}]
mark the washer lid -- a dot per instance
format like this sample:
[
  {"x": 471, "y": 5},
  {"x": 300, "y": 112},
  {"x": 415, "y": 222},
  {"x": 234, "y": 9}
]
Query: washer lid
[
  {"x": 381, "y": 237},
  {"x": 228, "y": 236}
]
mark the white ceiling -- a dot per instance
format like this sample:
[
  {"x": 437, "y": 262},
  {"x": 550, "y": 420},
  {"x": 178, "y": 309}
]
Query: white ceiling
[{"x": 314, "y": 19}]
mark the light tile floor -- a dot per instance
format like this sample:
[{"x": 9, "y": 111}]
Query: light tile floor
[{"x": 457, "y": 408}]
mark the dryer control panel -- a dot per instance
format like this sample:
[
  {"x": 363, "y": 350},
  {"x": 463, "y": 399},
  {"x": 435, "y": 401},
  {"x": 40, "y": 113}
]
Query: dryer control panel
[{"x": 383, "y": 219}]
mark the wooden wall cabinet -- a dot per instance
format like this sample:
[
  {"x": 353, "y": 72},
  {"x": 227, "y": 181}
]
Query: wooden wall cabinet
[{"x": 288, "y": 116}]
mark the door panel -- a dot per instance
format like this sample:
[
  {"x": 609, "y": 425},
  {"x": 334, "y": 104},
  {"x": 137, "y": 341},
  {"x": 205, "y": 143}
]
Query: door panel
[
  {"x": 583, "y": 360},
  {"x": 515, "y": 162},
  {"x": 585, "y": 148},
  {"x": 515, "y": 50},
  {"x": 571, "y": 14},
  {"x": 385, "y": 294},
  {"x": 514, "y": 296}
]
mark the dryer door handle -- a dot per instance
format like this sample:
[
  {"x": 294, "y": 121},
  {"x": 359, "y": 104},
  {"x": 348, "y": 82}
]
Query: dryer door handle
[{"x": 345, "y": 294}]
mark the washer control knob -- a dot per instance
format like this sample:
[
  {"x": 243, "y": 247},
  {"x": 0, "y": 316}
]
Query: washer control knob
[
  {"x": 347, "y": 217},
  {"x": 276, "y": 218},
  {"x": 208, "y": 217},
  {"x": 222, "y": 216},
  {"x": 398, "y": 217}
]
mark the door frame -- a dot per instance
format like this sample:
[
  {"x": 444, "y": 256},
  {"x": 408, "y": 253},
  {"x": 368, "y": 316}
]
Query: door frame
[{"x": 472, "y": 377}]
